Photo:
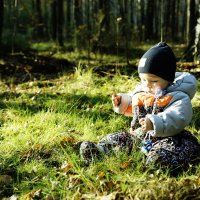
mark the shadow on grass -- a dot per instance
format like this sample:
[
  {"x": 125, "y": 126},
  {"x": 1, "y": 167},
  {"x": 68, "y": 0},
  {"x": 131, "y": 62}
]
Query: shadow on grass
[{"x": 20, "y": 68}]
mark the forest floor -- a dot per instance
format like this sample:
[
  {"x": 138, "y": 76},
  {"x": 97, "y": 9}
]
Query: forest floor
[
  {"x": 49, "y": 104},
  {"x": 21, "y": 67}
]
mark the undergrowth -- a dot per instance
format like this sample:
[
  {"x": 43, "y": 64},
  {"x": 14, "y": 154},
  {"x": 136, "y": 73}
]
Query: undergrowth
[{"x": 42, "y": 124}]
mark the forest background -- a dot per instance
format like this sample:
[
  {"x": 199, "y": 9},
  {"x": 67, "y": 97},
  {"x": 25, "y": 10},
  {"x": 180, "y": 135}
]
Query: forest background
[
  {"x": 99, "y": 26},
  {"x": 59, "y": 63}
]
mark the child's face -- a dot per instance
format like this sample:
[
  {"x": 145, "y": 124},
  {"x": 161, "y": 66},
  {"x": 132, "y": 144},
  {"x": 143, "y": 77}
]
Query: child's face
[{"x": 151, "y": 82}]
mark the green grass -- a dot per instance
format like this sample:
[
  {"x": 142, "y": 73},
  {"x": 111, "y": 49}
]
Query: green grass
[{"x": 41, "y": 126}]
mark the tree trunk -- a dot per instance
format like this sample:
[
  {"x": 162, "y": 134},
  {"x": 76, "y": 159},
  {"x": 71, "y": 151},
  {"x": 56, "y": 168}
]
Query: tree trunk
[
  {"x": 54, "y": 20},
  {"x": 60, "y": 22},
  {"x": 69, "y": 21},
  {"x": 125, "y": 30},
  {"x": 39, "y": 21},
  {"x": 149, "y": 20},
  {"x": 197, "y": 38},
  {"x": 193, "y": 19},
  {"x": 88, "y": 30},
  {"x": 78, "y": 13},
  {"x": 189, "y": 53},
  {"x": 173, "y": 21},
  {"x": 141, "y": 27},
  {"x": 1, "y": 22},
  {"x": 79, "y": 18},
  {"x": 104, "y": 26}
]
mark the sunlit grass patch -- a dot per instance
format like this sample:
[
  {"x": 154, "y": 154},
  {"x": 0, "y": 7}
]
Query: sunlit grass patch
[{"x": 42, "y": 124}]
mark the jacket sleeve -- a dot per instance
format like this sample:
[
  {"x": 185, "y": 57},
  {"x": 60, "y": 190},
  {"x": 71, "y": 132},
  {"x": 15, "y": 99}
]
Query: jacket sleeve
[
  {"x": 125, "y": 106},
  {"x": 176, "y": 116}
]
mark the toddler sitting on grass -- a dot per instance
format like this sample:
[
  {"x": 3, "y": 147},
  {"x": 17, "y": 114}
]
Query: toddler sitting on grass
[{"x": 161, "y": 109}]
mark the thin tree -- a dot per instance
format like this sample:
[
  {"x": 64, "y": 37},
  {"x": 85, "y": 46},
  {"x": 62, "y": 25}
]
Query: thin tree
[
  {"x": 141, "y": 27},
  {"x": 54, "y": 19},
  {"x": 15, "y": 17},
  {"x": 40, "y": 30},
  {"x": 104, "y": 6},
  {"x": 57, "y": 21},
  {"x": 88, "y": 30},
  {"x": 69, "y": 20},
  {"x": 125, "y": 30},
  {"x": 174, "y": 20},
  {"x": 38, "y": 21},
  {"x": 1, "y": 22},
  {"x": 197, "y": 38},
  {"x": 78, "y": 16},
  {"x": 60, "y": 18},
  {"x": 149, "y": 20},
  {"x": 161, "y": 21},
  {"x": 192, "y": 22}
]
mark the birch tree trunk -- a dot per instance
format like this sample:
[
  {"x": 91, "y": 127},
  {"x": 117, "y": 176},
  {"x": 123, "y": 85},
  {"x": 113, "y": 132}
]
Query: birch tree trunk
[{"x": 197, "y": 39}]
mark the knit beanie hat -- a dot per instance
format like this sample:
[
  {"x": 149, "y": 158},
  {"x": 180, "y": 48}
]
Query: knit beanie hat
[{"x": 160, "y": 61}]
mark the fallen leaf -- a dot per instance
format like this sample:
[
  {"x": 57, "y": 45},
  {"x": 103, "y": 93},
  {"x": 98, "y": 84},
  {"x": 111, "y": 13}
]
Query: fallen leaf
[
  {"x": 126, "y": 164},
  {"x": 109, "y": 184},
  {"x": 101, "y": 175},
  {"x": 111, "y": 196},
  {"x": 33, "y": 195},
  {"x": 68, "y": 140},
  {"x": 198, "y": 182},
  {"x": 74, "y": 180},
  {"x": 66, "y": 167}
]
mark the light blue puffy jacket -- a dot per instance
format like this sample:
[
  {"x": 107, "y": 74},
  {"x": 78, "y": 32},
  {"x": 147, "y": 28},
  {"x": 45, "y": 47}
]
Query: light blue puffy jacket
[{"x": 177, "y": 114}]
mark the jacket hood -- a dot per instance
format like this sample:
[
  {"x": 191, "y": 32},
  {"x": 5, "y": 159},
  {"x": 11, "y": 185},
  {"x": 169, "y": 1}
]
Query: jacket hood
[{"x": 184, "y": 82}]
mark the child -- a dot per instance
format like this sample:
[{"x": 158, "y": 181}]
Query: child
[{"x": 161, "y": 108}]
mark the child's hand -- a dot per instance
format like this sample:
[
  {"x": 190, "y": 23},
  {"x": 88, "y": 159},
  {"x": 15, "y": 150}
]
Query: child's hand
[
  {"x": 131, "y": 131},
  {"x": 146, "y": 124},
  {"x": 116, "y": 99}
]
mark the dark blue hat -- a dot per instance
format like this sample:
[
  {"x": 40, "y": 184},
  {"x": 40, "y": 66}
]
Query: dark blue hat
[{"x": 160, "y": 61}]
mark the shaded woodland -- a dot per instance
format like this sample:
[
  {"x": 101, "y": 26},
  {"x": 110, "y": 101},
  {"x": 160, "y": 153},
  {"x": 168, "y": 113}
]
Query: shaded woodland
[{"x": 111, "y": 26}]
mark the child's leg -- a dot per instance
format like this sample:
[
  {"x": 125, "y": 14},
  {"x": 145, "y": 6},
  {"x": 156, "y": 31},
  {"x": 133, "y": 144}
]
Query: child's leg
[
  {"x": 112, "y": 142},
  {"x": 117, "y": 141},
  {"x": 89, "y": 151},
  {"x": 176, "y": 151}
]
